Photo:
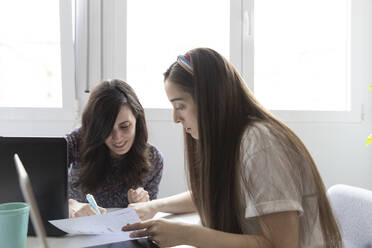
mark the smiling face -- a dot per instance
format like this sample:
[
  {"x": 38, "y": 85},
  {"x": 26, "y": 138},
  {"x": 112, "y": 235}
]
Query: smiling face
[
  {"x": 184, "y": 108},
  {"x": 123, "y": 132}
]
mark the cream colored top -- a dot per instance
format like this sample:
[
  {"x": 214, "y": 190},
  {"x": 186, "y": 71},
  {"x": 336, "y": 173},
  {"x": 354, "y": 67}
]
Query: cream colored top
[{"x": 279, "y": 180}]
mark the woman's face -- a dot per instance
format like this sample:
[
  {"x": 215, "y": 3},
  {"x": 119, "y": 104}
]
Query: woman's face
[
  {"x": 123, "y": 133},
  {"x": 184, "y": 108}
]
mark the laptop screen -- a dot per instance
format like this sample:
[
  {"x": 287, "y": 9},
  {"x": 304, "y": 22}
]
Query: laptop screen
[{"x": 45, "y": 160}]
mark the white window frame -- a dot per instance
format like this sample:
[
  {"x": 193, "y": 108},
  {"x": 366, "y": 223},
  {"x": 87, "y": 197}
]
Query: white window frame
[
  {"x": 69, "y": 109},
  {"x": 113, "y": 56},
  {"x": 355, "y": 115},
  {"x": 241, "y": 55},
  {"x": 105, "y": 56}
]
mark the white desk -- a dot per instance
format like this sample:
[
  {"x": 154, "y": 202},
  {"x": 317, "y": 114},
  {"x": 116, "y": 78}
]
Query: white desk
[{"x": 74, "y": 241}]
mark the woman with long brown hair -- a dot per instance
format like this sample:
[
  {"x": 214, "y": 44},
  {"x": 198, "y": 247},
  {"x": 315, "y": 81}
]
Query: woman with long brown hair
[
  {"x": 251, "y": 179},
  {"x": 109, "y": 155}
]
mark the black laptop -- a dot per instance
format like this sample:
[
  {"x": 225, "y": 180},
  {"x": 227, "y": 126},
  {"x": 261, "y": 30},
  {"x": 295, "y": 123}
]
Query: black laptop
[{"x": 45, "y": 160}]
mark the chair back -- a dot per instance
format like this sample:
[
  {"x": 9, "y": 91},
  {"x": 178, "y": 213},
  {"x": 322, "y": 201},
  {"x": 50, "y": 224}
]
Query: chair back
[{"x": 352, "y": 207}]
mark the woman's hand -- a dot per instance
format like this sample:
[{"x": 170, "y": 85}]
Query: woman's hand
[
  {"x": 145, "y": 210},
  {"x": 162, "y": 232},
  {"x": 138, "y": 195},
  {"x": 78, "y": 209}
]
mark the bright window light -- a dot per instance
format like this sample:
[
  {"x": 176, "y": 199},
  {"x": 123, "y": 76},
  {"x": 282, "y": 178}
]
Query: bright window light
[
  {"x": 30, "y": 54},
  {"x": 301, "y": 54},
  {"x": 158, "y": 31}
]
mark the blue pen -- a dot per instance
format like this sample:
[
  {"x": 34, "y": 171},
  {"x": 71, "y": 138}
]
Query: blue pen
[{"x": 93, "y": 203}]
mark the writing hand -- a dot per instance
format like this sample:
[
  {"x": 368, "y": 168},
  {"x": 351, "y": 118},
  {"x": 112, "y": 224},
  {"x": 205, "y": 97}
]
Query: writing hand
[{"x": 79, "y": 209}]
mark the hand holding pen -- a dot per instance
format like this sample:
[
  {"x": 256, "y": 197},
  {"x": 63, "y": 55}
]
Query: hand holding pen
[
  {"x": 92, "y": 203},
  {"x": 79, "y": 209}
]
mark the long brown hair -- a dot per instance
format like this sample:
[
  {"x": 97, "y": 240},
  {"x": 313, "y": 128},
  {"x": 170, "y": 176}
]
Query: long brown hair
[
  {"x": 98, "y": 120},
  {"x": 225, "y": 108}
]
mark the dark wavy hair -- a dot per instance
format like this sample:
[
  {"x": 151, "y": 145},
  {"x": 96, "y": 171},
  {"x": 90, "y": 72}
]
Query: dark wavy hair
[
  {"x": 98, "y": 120},
  {"x": 225, "y": 109}
]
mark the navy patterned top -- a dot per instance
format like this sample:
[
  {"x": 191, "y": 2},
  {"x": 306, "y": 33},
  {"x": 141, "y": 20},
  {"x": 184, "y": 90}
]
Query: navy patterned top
[{"x": 112, "y": 193}]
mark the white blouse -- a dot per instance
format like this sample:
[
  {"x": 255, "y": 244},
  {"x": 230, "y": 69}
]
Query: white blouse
[{"x": 279, "y": 179}]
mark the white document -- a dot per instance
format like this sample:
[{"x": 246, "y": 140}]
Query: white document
[{"x": 110, "y": 223}]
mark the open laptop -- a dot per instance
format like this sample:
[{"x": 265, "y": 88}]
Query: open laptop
[
  {"x": 28, "y": 194},
  {"x": 45, "y": 160}
]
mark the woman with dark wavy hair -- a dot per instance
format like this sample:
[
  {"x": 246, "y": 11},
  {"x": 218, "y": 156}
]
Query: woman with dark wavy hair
[
  {"x": 252, "y": 181},
  {"x": 109, "y": 155}
]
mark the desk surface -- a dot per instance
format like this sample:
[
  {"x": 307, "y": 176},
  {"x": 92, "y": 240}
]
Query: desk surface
[{"x": 74, "y": 241}]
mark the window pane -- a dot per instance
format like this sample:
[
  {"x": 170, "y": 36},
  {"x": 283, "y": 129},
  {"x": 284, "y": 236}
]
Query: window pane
[
  {"x": 301, "y": 54},
  {"x": 158, "y": 31},
  {"x": 30, "y": 60}
]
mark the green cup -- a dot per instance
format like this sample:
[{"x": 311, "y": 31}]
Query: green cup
[{"x": 14, "y": 224}]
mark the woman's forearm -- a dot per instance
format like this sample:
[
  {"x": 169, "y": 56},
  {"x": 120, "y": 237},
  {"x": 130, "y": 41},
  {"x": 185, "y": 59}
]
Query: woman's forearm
[
  {"x": 199, "y": 236},
  {"x": 176, "y": 204}
]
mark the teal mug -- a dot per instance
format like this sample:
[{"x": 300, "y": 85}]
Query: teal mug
[{"x": 14, "y": 224}]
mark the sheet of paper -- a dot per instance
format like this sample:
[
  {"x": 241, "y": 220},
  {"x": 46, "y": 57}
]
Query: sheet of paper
[{"x": 110, "y": 223}]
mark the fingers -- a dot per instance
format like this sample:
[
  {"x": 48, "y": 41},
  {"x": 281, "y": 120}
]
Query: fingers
[
  {"x": 138, "y": 195},
  {"x": 102, "y": 210},
  {"x": 84, "y": 210},
  {"x": 131, "y": 195},
  {"x": 79, "y": 209},
  {"x": 144, "y": 197},
  {"x": 141, "y": 229},
  {"x": 71, "y": 213},
  {"x": 138, "y": 226},
  {"x": 139, "y": 190},
  {"x": 139, "y": 234}
]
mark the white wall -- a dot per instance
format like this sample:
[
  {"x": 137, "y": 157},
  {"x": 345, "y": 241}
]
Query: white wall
[
  {"x": 339, "y": 151},
  {"x": 168, "y": 138}
]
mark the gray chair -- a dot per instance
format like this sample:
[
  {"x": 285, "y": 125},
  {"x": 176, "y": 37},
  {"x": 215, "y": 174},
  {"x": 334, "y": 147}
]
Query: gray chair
[{"x": 353, "y": 209}]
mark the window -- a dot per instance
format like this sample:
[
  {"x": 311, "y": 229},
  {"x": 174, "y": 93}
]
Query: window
[
  {"x": 36, "y": 59},
  {"x": 293, "y": 54},
  {"x": 301, "y": 54},
  {"x": 161, "y": 31},
  {"x": 297, "y": 56}
]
